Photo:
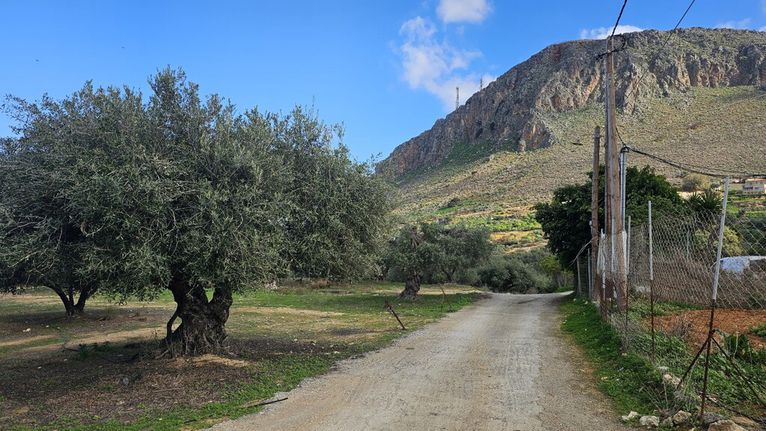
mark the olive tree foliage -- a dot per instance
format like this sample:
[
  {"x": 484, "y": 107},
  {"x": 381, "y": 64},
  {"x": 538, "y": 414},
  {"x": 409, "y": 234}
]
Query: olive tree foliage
[
  {"x": 183, "y": 194},
  {"x": 42, "y": 242},
  {"x": 431, "y": 252},
  {"x": 336, "y": 206}
]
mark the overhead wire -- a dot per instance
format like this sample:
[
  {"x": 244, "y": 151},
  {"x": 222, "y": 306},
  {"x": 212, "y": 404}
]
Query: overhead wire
[{"x": 665, "y": 42}]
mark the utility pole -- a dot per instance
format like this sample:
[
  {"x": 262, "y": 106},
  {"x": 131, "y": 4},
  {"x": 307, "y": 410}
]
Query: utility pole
[
  {"x": 457, "y": 97},
  {"x": 616, "y": 272},
  {"x": 596, "y": 278},
  {"x": 481, "y": 83}
]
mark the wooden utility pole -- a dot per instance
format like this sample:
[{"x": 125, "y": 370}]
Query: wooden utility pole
[
  {"x": 616, "y": 279},
  {"x": 595, "y": 276}
]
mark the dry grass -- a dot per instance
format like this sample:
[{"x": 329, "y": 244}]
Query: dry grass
[
  {"x": 715, "y": 127},
  {"x": 100, "y": 371}
]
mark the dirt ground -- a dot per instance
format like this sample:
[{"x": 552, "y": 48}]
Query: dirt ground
[
  {"x": 500, "y": 364},
  {"x": 60, "y": 372},
  {"x": 692, "y": 325}
]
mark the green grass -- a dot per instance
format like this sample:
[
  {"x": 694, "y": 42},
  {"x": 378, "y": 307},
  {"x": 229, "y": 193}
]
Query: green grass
[
  {"x": 760, "y": 330},
  {"x": 626, "y": 379},
  {"x": 631, "y": 381},
  {"x": 358, "y": 323}
]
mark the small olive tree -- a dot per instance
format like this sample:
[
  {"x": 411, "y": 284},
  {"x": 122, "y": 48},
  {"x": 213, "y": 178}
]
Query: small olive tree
[{"x": 431, "y": 250}]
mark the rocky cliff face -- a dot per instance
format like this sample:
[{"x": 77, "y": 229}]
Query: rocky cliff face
[{"x": 508, "y": 114}]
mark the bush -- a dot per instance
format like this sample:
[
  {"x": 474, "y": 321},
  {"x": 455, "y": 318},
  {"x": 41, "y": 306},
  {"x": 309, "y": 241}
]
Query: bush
[
  {"x": 695, "y": 182},
  {"x": 518, "y": 273}
]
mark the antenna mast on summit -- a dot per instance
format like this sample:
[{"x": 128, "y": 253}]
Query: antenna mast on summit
[{"x": 457, "y": 97}]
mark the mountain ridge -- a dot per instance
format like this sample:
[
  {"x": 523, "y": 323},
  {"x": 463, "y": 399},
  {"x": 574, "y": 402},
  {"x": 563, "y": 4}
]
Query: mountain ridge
[{"x": 511, "y": 113}]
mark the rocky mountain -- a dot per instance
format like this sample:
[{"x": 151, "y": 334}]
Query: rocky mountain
[{"x": 522, "y": 110}]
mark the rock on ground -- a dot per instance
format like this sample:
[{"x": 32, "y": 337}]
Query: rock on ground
[
  {"x": 725, "y": 425},
  {"x": 649, "y": 421}
]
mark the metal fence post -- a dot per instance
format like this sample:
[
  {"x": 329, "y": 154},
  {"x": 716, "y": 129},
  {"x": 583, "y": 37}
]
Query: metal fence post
[
  {"x": 714, "y": 296},
  {"x": 651, "y": 283},
  {"x": 590, "y": 278}
]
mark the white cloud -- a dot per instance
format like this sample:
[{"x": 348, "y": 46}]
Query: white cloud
[
  {"x": 436, "y": 66},
  {"x": 762, "y": 28},
  {"x": 603, "y": 32},
  {"x": 473, "y": 11},
  {"x": 739, "y": 25}
]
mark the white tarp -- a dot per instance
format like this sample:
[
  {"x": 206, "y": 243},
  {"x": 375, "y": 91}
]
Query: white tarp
[{"x": 738, "y": 264}]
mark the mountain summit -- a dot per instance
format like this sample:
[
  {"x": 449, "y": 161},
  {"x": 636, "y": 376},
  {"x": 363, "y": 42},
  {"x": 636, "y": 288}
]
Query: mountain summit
[{"x": 519, "y": 111}]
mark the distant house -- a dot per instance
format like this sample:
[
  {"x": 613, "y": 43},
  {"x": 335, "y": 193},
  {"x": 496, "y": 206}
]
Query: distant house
[{"x": 755, "y": 186}]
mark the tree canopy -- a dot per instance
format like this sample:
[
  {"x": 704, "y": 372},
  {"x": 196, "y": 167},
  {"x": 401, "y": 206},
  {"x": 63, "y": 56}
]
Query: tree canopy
[
  {"x": 435, "y": 252},
  {"x": 566, "y": 219},
  {"x": 107, "y": 191}
]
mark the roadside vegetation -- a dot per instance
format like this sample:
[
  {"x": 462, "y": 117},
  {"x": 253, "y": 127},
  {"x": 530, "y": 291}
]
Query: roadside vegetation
[
  {"x": 439, "y": 253},
  {"x": 629, "y": 380},
  {"x": 644, "y": 376},
  {"x": 634, "y": 384}
]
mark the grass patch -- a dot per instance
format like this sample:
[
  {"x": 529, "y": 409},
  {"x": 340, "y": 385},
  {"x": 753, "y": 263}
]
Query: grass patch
[
  {"x": 626, "y": 379},
  {"x": 634, "y": 384},
  {"x": 278, "y": 338},
  {"x": 760, "y": 331}
]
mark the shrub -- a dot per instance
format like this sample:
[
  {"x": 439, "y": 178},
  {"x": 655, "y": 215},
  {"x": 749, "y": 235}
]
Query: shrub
[
  {"x": 695, "y": 182},
  {"x": 517, "y": 273}
]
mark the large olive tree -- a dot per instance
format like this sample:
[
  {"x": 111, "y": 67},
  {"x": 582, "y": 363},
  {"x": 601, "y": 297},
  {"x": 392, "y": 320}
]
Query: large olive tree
[{"x": 183, "y": 194}]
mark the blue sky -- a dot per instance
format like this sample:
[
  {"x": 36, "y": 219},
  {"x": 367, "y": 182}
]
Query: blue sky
[{"x": 386, "y": 69}]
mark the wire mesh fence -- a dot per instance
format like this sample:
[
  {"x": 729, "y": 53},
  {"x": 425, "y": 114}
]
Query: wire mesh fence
[{"x": 681, "y": 299}]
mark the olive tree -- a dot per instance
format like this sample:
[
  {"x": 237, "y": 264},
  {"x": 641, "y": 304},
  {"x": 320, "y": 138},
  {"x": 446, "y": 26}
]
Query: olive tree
[
  {"x": 178, "y": 193},
  {"x": 42, "y": 241},
  {"x": 336, "y": 205},
  {"x": 429, "y": 251}
]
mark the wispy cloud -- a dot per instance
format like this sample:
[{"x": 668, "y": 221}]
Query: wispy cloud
[
  {"x": 436, "y": 66},
  {"x": 473, "y": 11},
  {"x": 740, "y": 25},
  {"x": 603, "y": 32}
]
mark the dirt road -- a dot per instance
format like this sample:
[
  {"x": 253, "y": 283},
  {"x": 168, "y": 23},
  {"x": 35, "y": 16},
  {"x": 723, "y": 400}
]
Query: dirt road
[{"x": 500, "y": 364}]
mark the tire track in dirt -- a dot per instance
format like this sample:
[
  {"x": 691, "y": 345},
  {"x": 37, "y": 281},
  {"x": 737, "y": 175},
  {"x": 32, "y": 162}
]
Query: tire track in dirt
[{"x": 500, "y": 364}]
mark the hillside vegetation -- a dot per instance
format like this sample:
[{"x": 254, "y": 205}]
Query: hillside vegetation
[{"x": 708, "y": 127}]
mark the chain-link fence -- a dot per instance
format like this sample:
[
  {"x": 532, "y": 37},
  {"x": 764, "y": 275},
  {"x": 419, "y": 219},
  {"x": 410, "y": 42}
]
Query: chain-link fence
[{"x": 681, "y": 298}]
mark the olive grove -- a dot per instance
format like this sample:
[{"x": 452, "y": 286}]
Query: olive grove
[{"x": 108, "y": 191}]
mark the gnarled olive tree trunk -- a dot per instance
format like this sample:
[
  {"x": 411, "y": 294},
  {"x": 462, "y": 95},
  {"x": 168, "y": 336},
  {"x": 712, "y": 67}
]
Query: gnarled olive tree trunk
[
  {"x": 202, "y": 329},
  {"x": 74, "y": 307},
  {"x": 411, "y": 287}
]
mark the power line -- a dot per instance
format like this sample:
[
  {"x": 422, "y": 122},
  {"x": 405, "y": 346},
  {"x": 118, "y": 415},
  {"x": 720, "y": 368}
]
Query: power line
[
  {"x": 665, "y": 42},
  {"x": 622, "y": 9},
  {"x": 692, "y": 168}
]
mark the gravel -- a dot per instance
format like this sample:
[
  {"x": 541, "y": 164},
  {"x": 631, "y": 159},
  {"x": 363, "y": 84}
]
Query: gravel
[{"x": 500, "y": 364}]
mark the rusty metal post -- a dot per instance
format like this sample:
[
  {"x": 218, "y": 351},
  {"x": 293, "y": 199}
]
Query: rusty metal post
[{"x": 391, "y": 309}]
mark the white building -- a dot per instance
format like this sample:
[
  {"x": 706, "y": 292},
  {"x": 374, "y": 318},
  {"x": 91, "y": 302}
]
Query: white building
[{"x": 754, "y": 186}]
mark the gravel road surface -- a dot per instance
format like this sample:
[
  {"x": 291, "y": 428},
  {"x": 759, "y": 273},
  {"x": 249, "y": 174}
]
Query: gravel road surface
[{"x": 499, "y": 364}]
